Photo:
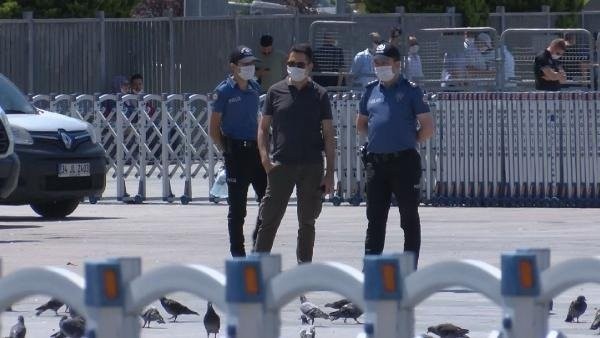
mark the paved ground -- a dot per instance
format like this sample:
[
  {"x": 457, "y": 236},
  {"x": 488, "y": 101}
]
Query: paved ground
[{"x": 164, "y": 234}]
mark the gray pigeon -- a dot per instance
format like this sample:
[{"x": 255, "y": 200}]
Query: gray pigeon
[
  {"x": 576, "y": 309},
  {"x": 347, "y": 311},
  {"x": 212, "y": 322},
  {"x": 311, "y": 310},
  {"x": 175, "y": 309},
  {"x": 18, "y": 330},
  {"x": 53, "y": 304},
  {"x": 448, "y": 330},
  {"x": 308, "y": 332},
  {"x": 72, "y": 327},
  {"x": 152, "y": 315},
  {"x": 596, "y": 323},
  {"x": 338, "y": 304}
]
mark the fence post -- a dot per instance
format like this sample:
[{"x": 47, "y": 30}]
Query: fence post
[
  {"x": 102, "y": 50},
  {"x": 383, "y": 292},
  {"x": 406, "y": 315},
  {"x": 120, "y": 151},
  {"x": 546, "y": 9},
  {"x": 104, "y": 299},
  {"x": 542, "y": 257},
  {"x": 131, "y": 268},
  {"x": 28, "y": 16},
  {"x": 236, "y": 19},
  {"x": 296, "y": 25},
  {"x": 501, "y": 10},
  {"x": 520, "y": 288},
  {"x": 451, "y": 11},
  {"x": 246, "y": 295},
  {"x": 171, "y": 52}
]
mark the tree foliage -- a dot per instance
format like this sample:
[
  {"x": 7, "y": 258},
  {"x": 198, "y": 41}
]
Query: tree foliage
[
  {"x": 475, "y": 12},
  {"x": 157, "y": 8},
  {"x": 66, "y": 8}
]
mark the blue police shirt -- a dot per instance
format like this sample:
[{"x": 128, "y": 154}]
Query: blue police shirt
[
  {"x": 238, "y": 108},
  {"x": 392, "y": 114}
]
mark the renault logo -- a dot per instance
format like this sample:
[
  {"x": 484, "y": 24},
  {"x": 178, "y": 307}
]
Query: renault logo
[{"x": 67, "y": 140}]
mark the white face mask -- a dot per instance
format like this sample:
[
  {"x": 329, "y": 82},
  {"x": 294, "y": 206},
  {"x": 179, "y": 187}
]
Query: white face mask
[
  {"x": 413, "y": 49},
  {"x": 247, "y": 72},
  {"x": 296, "y": 74},
  {"x": 384, "y": 73},
  {"x": 556, "y": 56}
]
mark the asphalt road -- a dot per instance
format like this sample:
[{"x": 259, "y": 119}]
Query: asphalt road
[{"x": 165, "y": 234}]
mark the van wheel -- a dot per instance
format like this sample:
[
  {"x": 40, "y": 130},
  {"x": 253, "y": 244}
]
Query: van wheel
[{"x": 55, "y": 209}]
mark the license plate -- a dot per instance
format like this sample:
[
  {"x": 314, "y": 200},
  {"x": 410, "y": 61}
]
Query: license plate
[{"x": 73, "y": 169}]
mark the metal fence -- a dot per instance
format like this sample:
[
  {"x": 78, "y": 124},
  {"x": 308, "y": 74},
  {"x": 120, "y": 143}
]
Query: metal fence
[
  {"x": 490, "y": 149},
  {"x": 187, "y": 54},
  {"x": 253, "y": 290}
]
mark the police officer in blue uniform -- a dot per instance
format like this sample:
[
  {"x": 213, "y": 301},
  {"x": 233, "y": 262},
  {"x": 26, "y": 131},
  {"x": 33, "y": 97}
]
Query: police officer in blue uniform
[
  {"x": 389, "y": 113},
  {"x": 233, "y": 129}
]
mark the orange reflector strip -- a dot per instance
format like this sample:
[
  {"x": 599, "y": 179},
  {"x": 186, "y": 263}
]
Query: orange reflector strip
[
  {"x": 526, "y": 274},
  {"x": 111, "y": 284},
  {"x": 251, "y": 280},
  {"x": 389, "y": 277}
]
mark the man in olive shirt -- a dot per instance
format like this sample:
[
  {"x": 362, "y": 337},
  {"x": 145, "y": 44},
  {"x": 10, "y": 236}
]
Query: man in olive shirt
[
  {"x": 272, "y": 63},
  {"x": 299, "y": 113}
]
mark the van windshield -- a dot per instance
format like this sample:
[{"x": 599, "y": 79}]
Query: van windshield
[{"x": 12, "y": 100}]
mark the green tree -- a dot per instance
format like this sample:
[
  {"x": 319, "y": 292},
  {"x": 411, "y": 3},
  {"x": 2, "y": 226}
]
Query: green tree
[{"x": 66, "y": 8}]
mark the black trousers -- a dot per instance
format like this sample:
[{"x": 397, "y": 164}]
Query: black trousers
[
  {"x": 399, "y": 175},
  {"x": 244, "y": 168}
]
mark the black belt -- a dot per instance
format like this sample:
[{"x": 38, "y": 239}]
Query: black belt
[
  {"x": 389, "y": 157},
  {"x": 241, "y": 143}
]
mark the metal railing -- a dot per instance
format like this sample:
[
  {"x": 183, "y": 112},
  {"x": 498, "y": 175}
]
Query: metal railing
[{"x": 253, "y": 290}]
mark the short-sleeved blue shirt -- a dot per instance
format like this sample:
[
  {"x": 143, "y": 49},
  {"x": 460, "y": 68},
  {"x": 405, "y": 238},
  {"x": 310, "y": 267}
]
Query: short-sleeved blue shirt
[
  {"x": 239, "y": 109},
  {"x": 392, "y": 113}
]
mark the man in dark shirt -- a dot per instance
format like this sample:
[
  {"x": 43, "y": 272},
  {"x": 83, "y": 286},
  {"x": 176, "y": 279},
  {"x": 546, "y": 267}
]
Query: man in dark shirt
[
  {"x": 299, "y": 113},
  {"x": 549, "y": 74}
]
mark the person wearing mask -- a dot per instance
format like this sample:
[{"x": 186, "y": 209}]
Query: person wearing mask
[
  {"x": 389, "y": 113},
  {"x": 362, "y": 66},
  {"x": 414, "y": 68},
  {"x": 233, "y": 129},
  {"x": 549, "y": 73},
  {"x": 272, "y": 63},
  {"x": 298, "y": 112}
]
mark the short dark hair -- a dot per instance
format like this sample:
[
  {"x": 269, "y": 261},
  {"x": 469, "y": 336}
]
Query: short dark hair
[
  {"x": 303, "y": 48},
  {"x": 395, "y": 32},
  {"x": 266, "y": 40},
  {"x": 136, "y": 77}
]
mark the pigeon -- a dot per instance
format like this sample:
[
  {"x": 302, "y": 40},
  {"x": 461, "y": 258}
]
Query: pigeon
[
  {"x": 596, "y": 323},
  {"x": 347, "y": 311},
  {"x": 311, "y": 310},
  {"x": 212, "y": 322},
  {"x": 308, "y": 332},
  {"x": 53, "y": 304},
  {"x": 338, "y": 304},
  {"x": 72, "y": 327},
  {"x": 448, "y": 330},
  {"x": 152, "y": 315},
  {"x": 304, "y": 319},
  {"x": 576, "y": 309},
  {"x": 175, "y": 308},
  {"x": 18, "y": 330}
]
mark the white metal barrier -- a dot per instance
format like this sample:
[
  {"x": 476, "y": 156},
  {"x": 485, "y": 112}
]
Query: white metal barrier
[
  {"x": 489, "y": 149},
  {"x": 254, "y": 290}
]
